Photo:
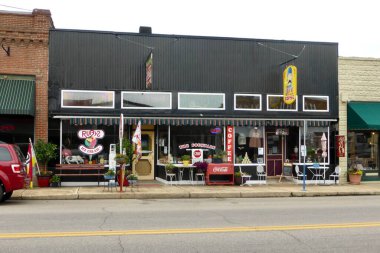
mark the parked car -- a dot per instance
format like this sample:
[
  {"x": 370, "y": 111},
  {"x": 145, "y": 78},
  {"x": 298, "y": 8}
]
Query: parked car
[{"x": 12, "y": 170}]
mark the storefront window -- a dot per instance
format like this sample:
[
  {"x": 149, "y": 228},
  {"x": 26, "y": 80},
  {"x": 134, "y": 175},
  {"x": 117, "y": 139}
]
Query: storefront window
[
  {"x": 87, "y": 99},
  {"x": 249, "y": 145},
  {"x": 314, "y": 144},
  {"x": 205, "y": 101},
  {"x": 163, "y": 145},
  {"x": 316, "y": 103},
  {"x": 276, "y": 103},
  {"x": 363, "y": 149},
  {"x": 147, "y": 100},
  {"x": 247, "y": 102},
  {"x": 185, "y": 138},
  {"x": 79, "y": 141}
]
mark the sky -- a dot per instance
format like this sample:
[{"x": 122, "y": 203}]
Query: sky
[{"x": 355, "y": 25}]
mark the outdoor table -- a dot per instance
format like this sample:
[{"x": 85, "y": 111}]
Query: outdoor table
[
  {"x": 317, "y": 170},
  {"x": 182, "y": 167}
]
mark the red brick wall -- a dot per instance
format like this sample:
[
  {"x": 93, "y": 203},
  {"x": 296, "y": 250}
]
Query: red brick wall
[{"x": 27, "y": 36}]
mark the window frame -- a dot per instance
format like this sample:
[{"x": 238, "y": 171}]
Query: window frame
[
  {"x": 201, "y": 108},
  {"x": 248, "y": 95},
  {"x": 314, "y": 96},
  {"x": 89, "y": 91},
  {"x": 281, "y": 110},
  {"x": 147, "y": 108}
]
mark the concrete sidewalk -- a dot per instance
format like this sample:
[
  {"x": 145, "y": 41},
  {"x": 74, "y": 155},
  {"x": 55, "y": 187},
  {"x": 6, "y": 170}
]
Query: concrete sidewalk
[{"x": 161, "y": 191}]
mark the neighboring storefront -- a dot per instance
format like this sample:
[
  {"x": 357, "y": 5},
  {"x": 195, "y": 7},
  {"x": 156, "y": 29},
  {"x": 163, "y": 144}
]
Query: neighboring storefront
[
  {"x": 23, "y": 76},
  {"x": 240, "y": 96},
  {"x": 359, "y": 79}
]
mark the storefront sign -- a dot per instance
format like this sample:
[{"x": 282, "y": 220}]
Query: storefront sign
[
  {"x": 230, "y": 144},
  {"x": 290, "y": 84},
  {"x": 90, "y": 140},
  {"x": 7, "y": 128},
  {"x": 216, "y": 130},
  {"x": 340, "y": 146},
  {"x": 197, "y": 145},
  {"x": 282, "y": 131},
  {"x": 197, "y": 155}
]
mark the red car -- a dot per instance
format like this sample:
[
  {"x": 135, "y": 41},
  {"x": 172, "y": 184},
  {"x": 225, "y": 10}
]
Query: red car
[{"x": 12, "y": 170}]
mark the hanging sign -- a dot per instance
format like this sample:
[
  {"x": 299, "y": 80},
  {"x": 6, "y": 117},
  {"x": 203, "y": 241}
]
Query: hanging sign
[
  {"x": 149, "y": 71},
  {"x": 90, "y": 140},
  {"x": 290, "y": 84},
  {"x": 230, "y": 144},
  {"x": 340, "y": 146}
]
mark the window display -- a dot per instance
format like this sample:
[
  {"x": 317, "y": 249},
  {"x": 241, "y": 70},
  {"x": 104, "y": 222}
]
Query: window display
[
  {"x": 314, "y": 144},
  {"x": 249, "y": 145}
]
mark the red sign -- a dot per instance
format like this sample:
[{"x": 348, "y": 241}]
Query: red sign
[
  {"x": 230, "y": 144},
  {"x": 197, "y": 153},
  {"x": 340, "y": 146}
]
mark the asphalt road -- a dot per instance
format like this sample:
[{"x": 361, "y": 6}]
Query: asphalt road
[{"x": 320, "y": 224}]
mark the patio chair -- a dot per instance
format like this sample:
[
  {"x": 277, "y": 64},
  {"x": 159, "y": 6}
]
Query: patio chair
[
  {"x": 171, "y": 176},
  {"x": 200, "y": 175},
  {"x": 261, "y": 174},
  {"x": 244, "y": 176},
  {"x": 299, "y": 174},
  {"x": 335, "y": 174}
]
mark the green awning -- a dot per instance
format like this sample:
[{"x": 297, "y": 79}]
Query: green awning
[
  {"x": 17, "y": 97},
  {"x": 363, "y": 116}
]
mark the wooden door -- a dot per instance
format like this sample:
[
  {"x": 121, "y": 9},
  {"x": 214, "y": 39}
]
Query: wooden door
[
  {"x": 274, "y": 158},
  {"x": 144, "y": 167}
]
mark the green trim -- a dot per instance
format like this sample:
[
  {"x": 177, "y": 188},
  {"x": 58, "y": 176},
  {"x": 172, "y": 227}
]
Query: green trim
[{"x": 14, "y": 77}]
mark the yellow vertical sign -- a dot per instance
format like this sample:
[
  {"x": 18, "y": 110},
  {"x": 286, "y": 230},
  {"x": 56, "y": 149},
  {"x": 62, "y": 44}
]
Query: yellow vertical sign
[{"x": 290, "y": 84}]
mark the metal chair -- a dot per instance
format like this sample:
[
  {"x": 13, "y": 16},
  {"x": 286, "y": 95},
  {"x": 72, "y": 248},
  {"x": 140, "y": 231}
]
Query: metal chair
[
  {"x": 201, "y": 175},
  {"x": 335, "y": 174},
  {"x": 171, "y": 176},
  {"x": 245, "y": 176},
  {"x": 261, "y": 174},
  {"x": 299, "y": 174}
]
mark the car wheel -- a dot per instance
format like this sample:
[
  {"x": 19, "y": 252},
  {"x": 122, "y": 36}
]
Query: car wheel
[
  {"x": 2, "y": 198},
  {"x": 7, "y": 195}
]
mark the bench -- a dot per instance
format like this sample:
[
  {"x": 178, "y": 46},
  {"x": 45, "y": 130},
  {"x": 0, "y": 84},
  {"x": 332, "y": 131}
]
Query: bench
[{"x": 80, "y": 170}]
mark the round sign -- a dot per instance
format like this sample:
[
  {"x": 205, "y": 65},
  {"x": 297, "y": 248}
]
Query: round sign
[{"x": 197, "y": 153}]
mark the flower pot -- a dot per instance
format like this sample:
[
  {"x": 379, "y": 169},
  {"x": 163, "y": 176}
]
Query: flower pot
[
  {"x": 186, "y": 163},
  {"x": 125, "y": 182},
  {"x": 354, "y": 178},
  {"x": 43, "y": 181},
  {"x": 55, "y": 184}
]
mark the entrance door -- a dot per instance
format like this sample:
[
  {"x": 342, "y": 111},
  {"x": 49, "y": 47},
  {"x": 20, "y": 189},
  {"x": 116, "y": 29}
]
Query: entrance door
[
  {"x": 144, "y": 167},
  {"x": 274, "y": 154}
]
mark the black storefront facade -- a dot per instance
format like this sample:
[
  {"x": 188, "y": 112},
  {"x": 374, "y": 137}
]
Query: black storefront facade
[{"x": 202, "y": 93}]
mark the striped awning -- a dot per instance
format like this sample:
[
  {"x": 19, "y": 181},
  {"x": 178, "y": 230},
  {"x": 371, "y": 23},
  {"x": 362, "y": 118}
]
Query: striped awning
[
  {"x": 17, "y": 97},
  {"x": 196, "y": 121}
]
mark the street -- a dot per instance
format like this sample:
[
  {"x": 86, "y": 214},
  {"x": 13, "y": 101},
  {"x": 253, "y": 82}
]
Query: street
[{"x": 319, "y": 224}]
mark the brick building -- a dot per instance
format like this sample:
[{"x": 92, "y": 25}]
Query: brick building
[
  {"x": 359, "y": 115},
  {"x": 24, "y": 55}
]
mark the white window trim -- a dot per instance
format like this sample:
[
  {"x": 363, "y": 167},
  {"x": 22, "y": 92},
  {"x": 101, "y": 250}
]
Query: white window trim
[
  {"x": 310, "y": 96},
  {"x": 282, "y": 110},
  {"x": 203, "y": 109},
  {"x": 247, "y": 95},
  {"x": 146, "y": 108},
  {"x": 89, "y": 91}
]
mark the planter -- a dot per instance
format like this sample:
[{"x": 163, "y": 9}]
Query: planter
[
  {"x": 55, "y": 184},
  {"x": 125, "y": 182},
  {"x": 43, "y": 181},
  {"x": 132, "y": 182},
  {"x": 186, "y": 163},
  {"x": 237, "y": 180},
  {"x": 354, "y": 178}
]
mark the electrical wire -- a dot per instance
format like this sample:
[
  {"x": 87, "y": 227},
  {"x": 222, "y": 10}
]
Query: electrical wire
[{"x": 17, "y": 8}]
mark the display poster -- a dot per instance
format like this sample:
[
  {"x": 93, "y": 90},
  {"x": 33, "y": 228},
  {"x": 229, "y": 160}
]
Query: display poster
[{"x": 341, "y": 146}]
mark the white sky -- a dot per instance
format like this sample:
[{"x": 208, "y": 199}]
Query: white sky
[{"x": 355, "y": 25}]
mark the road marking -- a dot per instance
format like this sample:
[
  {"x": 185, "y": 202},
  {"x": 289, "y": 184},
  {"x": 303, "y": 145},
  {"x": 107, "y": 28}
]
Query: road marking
[{"x": 187, "y": 230}]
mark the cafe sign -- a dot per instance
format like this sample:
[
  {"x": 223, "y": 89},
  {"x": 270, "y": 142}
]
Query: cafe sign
[
  {"x": 90, "y": 137},
  {"x": 290, "y": 84},
  {"x": 230, "y": 144}
]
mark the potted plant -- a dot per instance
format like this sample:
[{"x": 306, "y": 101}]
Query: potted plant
[
  {"x": 45, "y": 152},
  {"x": 185, "y": 160},
  {"x": 237, "y": 178},
  {"x": 219, "y": 156},
  {"x": 201, "y": 167},
  {"x": 355, "y": 173},
  {"x": 110, "y": 174},
  {"x": 132, "y": 179},
  {"x": 127, "y": 147},
  {"x": 55, "y": 181},
  {"x": 169, "y": 167}
]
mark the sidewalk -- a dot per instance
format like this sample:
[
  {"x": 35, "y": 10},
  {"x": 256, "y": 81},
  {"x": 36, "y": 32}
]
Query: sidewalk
[{"x": 160, "y": 191}]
